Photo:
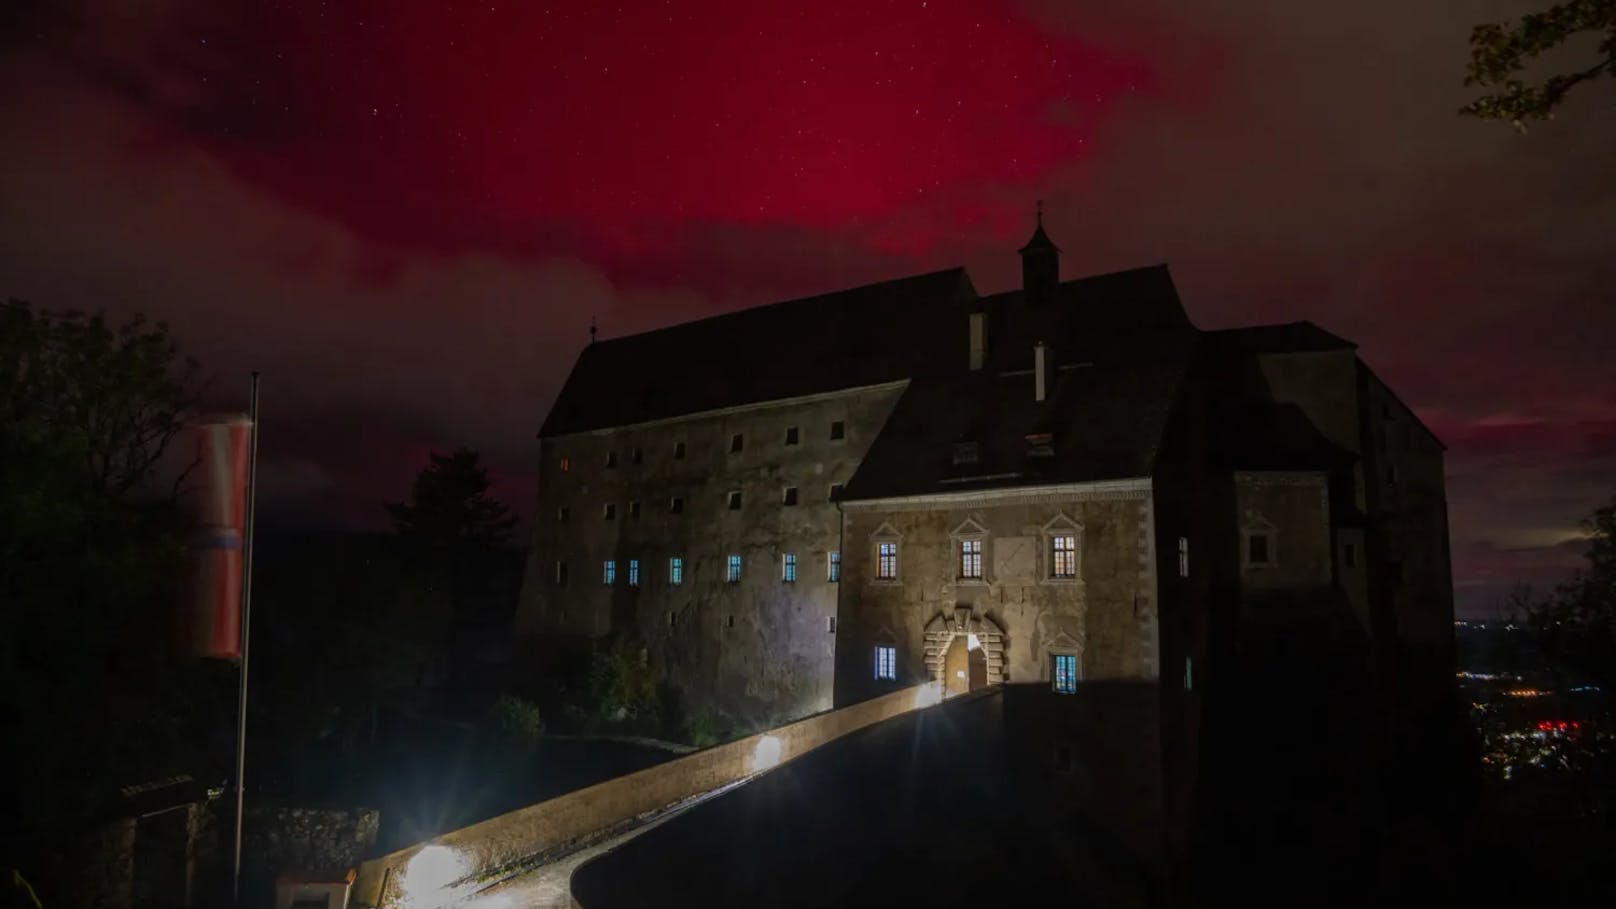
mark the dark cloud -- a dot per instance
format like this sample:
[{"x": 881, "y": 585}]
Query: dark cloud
[{"x": 290, "y": 192}]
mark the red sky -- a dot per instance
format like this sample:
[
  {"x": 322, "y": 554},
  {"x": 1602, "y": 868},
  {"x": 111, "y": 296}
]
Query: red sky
[{"x": 406, "y": 213}]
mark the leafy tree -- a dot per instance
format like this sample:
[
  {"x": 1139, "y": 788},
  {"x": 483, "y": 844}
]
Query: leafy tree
[
  {"x": 450, "y": 509},
  {"x": 622, "y": 683},
  {"x": 1576, "y": 625},
  {"x": 90, "y": 695},
  {"x": 457, "y": 536},
  {"x": 1499, "y": 51}
]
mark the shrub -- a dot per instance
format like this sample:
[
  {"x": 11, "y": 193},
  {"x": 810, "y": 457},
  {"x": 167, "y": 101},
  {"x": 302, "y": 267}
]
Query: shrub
[{"x": 516, "y": 719}]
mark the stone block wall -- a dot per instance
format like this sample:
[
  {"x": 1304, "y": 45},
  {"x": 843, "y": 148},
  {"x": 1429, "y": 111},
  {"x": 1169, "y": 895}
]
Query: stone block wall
[
  {"x": 759, "y": 648},
  {"x": 1107, "y": 616}
]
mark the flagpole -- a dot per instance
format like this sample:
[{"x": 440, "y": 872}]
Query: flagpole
[{"x": 246, "y": 631}]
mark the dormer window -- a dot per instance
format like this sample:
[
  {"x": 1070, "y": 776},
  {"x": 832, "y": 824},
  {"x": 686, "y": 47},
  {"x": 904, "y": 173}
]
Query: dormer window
[
  {"x": 1259, "y": 544},
  {"x": 966, "y": 453}
]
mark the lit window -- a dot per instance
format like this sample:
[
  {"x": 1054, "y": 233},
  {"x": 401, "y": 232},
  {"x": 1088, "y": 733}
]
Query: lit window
[
  {"x": 611, "y": 459},
  {"x": 886, "y": 663},
  {"x": 735, "y": 501},
  {"x": 790, "y": 496},
  {"x": 1183, "y": 557},
  {"x": 736, "y": 443},
  {"x": 838, "y": 430},
  {"x": 678, "y": 451},
  {"x": 676, "y": 505},
  {"x": 610, "y": 574},
  {"x": 1257, "y": 551},
  {"x": 788, "y": 567},
  {"x": 732, "y": 572},
  {"x": 791, "y": 435},
  {"x": 609, "y": 511},
  {"x": 1063, "y": 556},
  {"x": 566, "y": 464},
  {"x": 562, "y": 514},
  {"x": 676, "y": 571},
  {"x": 561, "y": 574},
  {"x": 633, "y": 572},
  {"x": 835, "y": 492},
  {"x": 1065, "y": 674},
  {"x": 886, "y": 561},
  {"x": 834, "y": 572},
  {"x": 634, "y": 508},
  {"x": 971, "y": 559}
]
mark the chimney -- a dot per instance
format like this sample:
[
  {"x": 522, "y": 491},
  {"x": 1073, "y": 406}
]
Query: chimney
[
  {"x": 979, "y": 339},
  {"x": 1040, "y": 371},
  {"x": 1040, "y": 265}
]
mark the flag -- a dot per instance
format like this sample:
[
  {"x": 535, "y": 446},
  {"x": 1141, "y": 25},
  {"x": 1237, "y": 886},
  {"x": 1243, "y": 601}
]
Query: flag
[{"x": 217, "y": 506}]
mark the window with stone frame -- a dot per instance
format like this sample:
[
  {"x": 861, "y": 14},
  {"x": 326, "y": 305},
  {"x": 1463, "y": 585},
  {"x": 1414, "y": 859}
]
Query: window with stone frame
[
  {"x": 633, "y": 572},
  {"x": 609, "y": 572},
  {"x": 1259, "y": 544},
  {"x": 732, "y": 569},
  {"x": 611, "y": 459},
  {"x": 1183, "y": 557},
  {"x": 676, "y": 505},
  {"x": 970, "y": 565},
  {"x": 637, "y": 456},
  {"x": 838, "y": 430},
  {"x": 678, "y": 451},
  {"x": 788, "y": 568},
  {"x": 737, "y": 443},
  {"x": 735, "y": 500},
  {"x": 790, "y": 496},
  {"x": 833, "y": 570},
  {"x": 1063, "y": 672},
  {"x": 634, "y": 508},
  {"x": 791, "y": 435},
  {"x": 676, "y": 571},
  {"x": 886, "y": 560},
  {"x": 1257, "y": 549},
  {"x": 886, "y": 662},
  {"x": 1063, "y": 556},
  {"x": 609, "y": 511}
]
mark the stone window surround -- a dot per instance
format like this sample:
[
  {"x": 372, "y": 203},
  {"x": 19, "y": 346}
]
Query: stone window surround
[
  {"x": 969, "y": 529},
  {"x": 1061, "y": 525},
  {"x": 1062, "y": 644},
  {"x": 886, "y": 533},
  {"x": 1257, "y": 525}
]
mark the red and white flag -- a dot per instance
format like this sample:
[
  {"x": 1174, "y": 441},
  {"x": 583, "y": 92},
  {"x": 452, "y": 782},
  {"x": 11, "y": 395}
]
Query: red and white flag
[{"x": 217, "y": 509}]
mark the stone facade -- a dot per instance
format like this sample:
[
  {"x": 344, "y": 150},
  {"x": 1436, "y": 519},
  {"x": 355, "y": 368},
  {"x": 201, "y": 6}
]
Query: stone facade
[
  {"x": 760, "y": 647},
  {"x": 1021, "y": 614}
]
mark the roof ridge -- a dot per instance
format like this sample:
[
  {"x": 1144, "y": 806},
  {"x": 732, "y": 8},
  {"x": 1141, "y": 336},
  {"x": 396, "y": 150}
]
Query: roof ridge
[{"x": 873, "y": 285}]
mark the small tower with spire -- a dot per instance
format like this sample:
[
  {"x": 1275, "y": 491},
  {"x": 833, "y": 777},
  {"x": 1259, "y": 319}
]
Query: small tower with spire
[{"x": 1040, "y": 265}]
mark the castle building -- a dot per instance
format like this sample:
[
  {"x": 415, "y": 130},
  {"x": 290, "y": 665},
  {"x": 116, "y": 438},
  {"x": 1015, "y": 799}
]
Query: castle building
[{"x": 809, "y": 503}]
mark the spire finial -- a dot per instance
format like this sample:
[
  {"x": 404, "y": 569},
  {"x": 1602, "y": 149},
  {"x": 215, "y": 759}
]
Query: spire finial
[
  {"x": 592, "y": 329},
  {"x": 1040, "y": 212}
]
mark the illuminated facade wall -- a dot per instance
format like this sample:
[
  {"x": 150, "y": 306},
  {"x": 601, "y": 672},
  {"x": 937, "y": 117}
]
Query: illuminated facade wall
[{"x": 760, "y": 647}]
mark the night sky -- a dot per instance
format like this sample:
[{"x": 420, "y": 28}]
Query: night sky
[{"x": 407, "y": 218}]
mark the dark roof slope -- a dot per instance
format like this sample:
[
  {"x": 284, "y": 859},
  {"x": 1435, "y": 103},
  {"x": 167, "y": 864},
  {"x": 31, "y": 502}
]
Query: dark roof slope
[
  {"x": 1286, "y": 337},
  {"x": 862, "y": 336},
  {"x": 1119, "y": 347}
]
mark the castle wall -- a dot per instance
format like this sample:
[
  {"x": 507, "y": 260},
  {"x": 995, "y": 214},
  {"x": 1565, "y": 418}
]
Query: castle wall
[
  {"x": 759, "y": 648},
  {"x": 1106, "y": 616}
]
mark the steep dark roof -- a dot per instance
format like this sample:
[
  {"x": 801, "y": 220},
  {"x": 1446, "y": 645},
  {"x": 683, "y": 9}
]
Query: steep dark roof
[
  {"x": 862, "y": 336},
  {"x": 1287, "y": 337},
  {"x": 1119, "y": 348}
]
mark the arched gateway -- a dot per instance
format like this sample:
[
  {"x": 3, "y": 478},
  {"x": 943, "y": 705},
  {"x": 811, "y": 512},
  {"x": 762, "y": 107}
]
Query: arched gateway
[{"x": 942, "y": 632}]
